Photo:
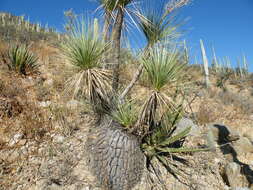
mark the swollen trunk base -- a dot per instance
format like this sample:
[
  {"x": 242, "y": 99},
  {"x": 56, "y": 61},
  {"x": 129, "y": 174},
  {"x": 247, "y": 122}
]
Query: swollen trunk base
[{"x": 115, "y": 157}]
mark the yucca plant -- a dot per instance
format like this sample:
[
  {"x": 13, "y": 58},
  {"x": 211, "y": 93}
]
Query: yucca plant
[
  {"x": 84, "y": 49},
  {"x": 157, "y": 27},
  {"x": 20, "y": 59},
  {"x": 160, "y": 113},
  {"x": 162, "y": 68},
  {"x": 119, "y": 7}
]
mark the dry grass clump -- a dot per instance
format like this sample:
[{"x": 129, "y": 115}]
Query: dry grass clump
[
  {"x": 10, "y": 86},
  {"x": 194, "y": 71},
  {"x": 251, "y": 91},
  {"x": 43, "y": 93},
  {"x": 63, "y": 119},
  {"x": 9, "y": 108},
  {"x": 10, "y": 95},
  {"x": 3, "y": 46},
  {"x": 208, "y": 113},
  {"x": 239, "y": 101},
  {"x": 27, "y": 119}
]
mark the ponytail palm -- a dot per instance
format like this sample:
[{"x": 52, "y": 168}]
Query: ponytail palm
[
  {"x": 157, "y": 27},
  {"x": 162, "y": 68},
  {"x": 160, "y": 112},
  {"x": 84, "y": 49}
]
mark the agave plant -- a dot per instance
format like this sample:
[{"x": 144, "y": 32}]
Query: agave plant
[
  {"x": 84, "y": 49},
  {"x": 163, "y": 143},
  {"x": 20, "y": 59}
]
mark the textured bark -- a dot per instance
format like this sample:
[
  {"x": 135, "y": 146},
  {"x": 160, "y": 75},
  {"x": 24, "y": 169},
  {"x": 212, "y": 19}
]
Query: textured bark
[
  {"x": 115, "y": 157},
  {"x": 116, "y": 35}
]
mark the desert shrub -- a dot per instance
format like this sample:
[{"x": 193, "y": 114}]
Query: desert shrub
[
  {"x": 35, "y": 123},
  {"x": 207, "y": 113},
  {"x": 10, "y": 89},
  {"x": 251, "y": 91},
  {"x": 242, "y": 102},
  {"x": 9, "y": 108},
  {"x": 60, "y": 116},
  {"x": 43, "y": 93},
  {"x": 160, "y": 113},
  {"x": 222, "y": 78},
  {"x": 19, "y": 58}
]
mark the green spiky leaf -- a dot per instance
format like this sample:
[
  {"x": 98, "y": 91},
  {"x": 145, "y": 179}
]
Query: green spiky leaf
[
  {"x": 180, "y": 150},
  {"x": 21, "y": 59},
  {"x": 175, "y": 138}
]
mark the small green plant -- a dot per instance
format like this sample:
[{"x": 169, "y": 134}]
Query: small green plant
[
  {"x": 162, "y": 142},
  {"x": 126, "y": 114},
  {"x": 20, "y": 59},
  {"x": 223, "y": 77}
]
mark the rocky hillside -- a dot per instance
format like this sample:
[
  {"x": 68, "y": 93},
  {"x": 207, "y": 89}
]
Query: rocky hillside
[
  {"x": 45, "y": 134},
  {"x": 17, "y": 28}
]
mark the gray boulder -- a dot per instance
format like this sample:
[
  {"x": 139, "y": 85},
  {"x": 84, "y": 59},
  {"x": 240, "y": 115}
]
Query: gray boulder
[
  {"x": 185, "y": 123},
  {"x": 233, "y": 174},
  {"x": 241, "y": 188},
  {"x": 243, "y": 145}
]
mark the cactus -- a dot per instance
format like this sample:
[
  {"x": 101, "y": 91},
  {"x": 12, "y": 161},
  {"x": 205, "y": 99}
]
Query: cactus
[
  {"x": 186, "y": 53},
  {"x": 215, "y": 61},
  {"x": 205, "y": 62},
  {"x": 245, "y": 64}
]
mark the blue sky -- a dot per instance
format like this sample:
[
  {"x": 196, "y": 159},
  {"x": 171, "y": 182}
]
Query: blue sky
[{"x": 225, "y": 24}]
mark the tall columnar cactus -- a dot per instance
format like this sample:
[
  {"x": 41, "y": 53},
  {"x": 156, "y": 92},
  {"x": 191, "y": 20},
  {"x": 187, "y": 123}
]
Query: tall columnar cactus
[
  {"x": 46, "y": 28},
  {"x": 28, "y": 24},
  {"x": 205, "y": 62},
  {"x": 38, "y": 27},
  {"x": 22, "y": 18},
  {"x": 239, "y": 68},
  {"x": 3, "y": 20},
  {"x": 186, "y": 53},
  {"x": 228, "y": 63},
  {"x": 215, "y": 61},
  {"x": 245, "y": 64}
]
